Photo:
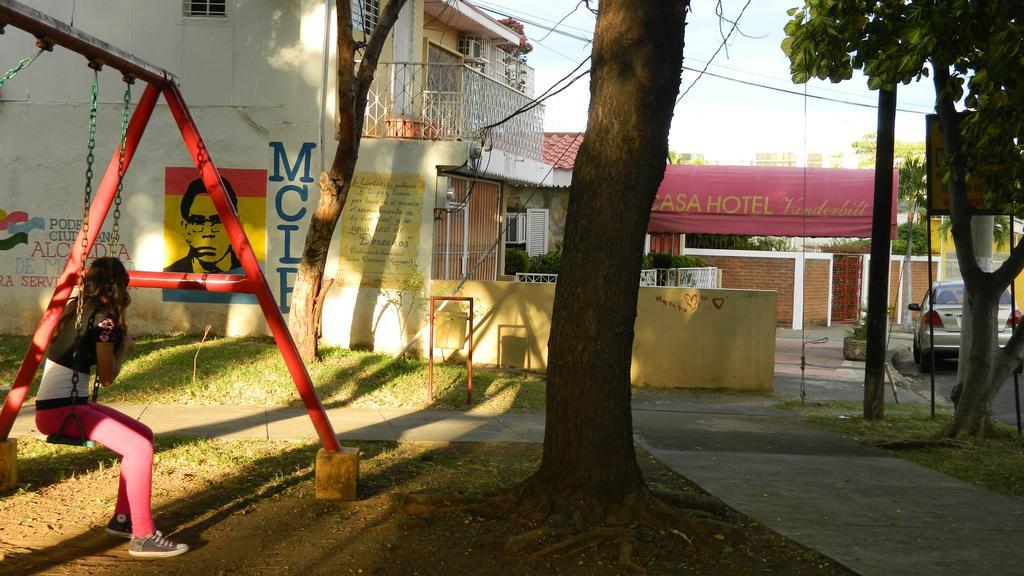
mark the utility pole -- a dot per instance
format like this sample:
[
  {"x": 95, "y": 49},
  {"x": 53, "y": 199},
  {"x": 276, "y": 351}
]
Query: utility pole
[{"x": 878, "y": 271}]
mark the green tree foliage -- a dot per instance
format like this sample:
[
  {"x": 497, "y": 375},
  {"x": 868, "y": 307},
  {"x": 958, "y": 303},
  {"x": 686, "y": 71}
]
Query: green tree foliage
[
  {"x": 661, "y": 260},
  {"x": 913, "y": 172},
  {"x": 686, "y": 158},
  {"x": 734, "y": 242},
  {"x": 919, "y": 240},
  {"x": 865, "y": 150},
  {"x": 973, "y": 53}
]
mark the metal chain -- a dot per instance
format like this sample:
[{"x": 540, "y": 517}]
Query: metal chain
[
  {"x": 25, "y": 63},
  {"x": 90, "y": 158},
  {"x": 115, "y": 236}
]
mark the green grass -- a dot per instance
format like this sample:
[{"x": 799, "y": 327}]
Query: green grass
[
  {"x": 251, "y": 466},
  {"x": 251, "y": 372},
  {"x": 909, "y": 432}
]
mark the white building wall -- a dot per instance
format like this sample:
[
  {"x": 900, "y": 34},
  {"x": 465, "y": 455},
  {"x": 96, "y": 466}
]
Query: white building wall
[{"x": 253, "y": 83}]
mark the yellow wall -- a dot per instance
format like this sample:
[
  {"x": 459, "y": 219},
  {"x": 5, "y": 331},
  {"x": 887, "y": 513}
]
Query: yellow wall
[
  {"x": 441, "y": 35},
  {"x": 943, "y": 244},
  {"x": 685, "y": 338}
]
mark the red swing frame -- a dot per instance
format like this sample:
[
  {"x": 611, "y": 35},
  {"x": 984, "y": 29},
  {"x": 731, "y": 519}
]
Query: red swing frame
[{"x": 50, "y": 32}]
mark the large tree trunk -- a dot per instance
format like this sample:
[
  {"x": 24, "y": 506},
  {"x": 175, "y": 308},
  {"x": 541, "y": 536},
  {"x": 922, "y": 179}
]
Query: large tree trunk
[
  {"x": 979, "y": 365},
  {"x": 309, "y": 290},
  {"x": 589, "y": 467},
  {"x": 983, "y": 366}
]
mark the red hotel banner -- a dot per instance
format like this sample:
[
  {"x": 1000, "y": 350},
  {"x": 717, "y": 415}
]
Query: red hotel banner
[{"x": 767, "y": 201}]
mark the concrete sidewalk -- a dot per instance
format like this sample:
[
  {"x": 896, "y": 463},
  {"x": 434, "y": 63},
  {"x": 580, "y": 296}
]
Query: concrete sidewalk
[{"x": 241, "y": 422}]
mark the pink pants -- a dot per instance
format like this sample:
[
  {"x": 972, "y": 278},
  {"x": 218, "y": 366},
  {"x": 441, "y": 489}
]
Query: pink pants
[{"x": 124, "y": 435}]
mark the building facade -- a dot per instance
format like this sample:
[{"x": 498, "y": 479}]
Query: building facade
[{"x": 441, "y": 145}]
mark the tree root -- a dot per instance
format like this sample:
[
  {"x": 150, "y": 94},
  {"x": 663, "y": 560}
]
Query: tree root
[
  {"x": 561, "y": 525},
  {"x": 519, "y": 542},
  {"x": 624, "y": 536}
]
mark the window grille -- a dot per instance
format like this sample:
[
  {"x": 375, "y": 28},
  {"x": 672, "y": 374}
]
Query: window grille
[
  {"x": 364, "y": 15},
  {"x": 215, "y": 8}
]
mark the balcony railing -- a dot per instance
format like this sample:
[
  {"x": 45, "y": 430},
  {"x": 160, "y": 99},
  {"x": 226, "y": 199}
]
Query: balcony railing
[{"x": 434, "y": 101}]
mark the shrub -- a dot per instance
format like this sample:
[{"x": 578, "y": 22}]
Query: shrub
[
  {"x": 684, "y": 261},
  {"x": 659, "y": 260},
  {"x": 547, "y": 264},
  {"x": 516, "y": 261},
  {"x": 656, "y": 260}
]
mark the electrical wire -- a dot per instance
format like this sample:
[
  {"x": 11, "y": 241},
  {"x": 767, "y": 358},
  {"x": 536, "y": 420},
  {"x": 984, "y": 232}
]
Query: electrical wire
[
  {"x": 504, "y": 228},
  {"x": 725, "y": 40},
  {"x": 561, "y": 20},
  {"x": 537, "y": 101},
  {"x": 459, "y": 206},
  {"x": 707, "y": 63},
  {"x": 525, "y": 20},
  {"x": 795, "y": 93},
  {"x": 803, "y": 265},
  {"x": 704, "y": 72}
]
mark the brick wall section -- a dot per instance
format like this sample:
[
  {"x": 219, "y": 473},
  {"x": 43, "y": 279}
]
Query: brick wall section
[
  {"x": 760, "y": 274},
  {"x": 918, "y": 277},
  {"x": 816, "y": 289}
]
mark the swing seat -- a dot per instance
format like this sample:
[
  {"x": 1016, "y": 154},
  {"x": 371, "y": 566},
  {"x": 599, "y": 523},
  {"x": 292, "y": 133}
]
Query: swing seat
[{"x": 69, "y": 441}]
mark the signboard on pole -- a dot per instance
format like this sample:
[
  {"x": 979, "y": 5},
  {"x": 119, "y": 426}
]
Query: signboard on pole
[{"x": 938, "y": 191}]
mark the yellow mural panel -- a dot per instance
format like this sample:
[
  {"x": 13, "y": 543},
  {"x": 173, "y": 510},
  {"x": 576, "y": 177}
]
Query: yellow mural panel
[{"x": 380, "y": 230}]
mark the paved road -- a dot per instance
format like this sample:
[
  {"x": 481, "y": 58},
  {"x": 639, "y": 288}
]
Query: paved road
[
  {"x": 1004, "y": 405},
  {"x": 826, "y": 374}
]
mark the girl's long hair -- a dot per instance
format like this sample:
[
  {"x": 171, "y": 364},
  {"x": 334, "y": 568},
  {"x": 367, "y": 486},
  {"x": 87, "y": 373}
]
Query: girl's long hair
[{"x": 106, "y": 288}]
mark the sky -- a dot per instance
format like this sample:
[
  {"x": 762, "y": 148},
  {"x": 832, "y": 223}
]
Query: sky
[{"x": 725, "y": 120}]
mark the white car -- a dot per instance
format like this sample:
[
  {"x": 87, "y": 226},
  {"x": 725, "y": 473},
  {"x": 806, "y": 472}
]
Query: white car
[{"x": 945, "y": 317}]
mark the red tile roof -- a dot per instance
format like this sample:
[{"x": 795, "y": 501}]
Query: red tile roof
[{"x": 560, "y": 148}]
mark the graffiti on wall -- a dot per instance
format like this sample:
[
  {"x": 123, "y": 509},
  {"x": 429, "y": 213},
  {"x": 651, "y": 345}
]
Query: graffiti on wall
[
  {"x": 37, "y": 247},
  {"x": 380, "y": 230},
  {"x": 195, "y": 239},
  {"x": 689, "y": 303}
]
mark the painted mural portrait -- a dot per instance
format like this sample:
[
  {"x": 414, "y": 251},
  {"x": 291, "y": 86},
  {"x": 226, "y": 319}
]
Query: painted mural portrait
[
  {"x": 209, "y": 250},
  {"x": 195, "y": 238}
]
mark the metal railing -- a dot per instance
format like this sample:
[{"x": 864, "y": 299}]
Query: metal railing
[
  {"x": 535, "y": 278},
  {"x": 442, "y": 101},
  {"x": 680, "y": 277},
  {"x": 674, "y": 277}
]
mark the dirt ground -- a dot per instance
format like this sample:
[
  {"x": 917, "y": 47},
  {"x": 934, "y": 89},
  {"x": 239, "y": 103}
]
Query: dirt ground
[{"x": 258, "y": 516}]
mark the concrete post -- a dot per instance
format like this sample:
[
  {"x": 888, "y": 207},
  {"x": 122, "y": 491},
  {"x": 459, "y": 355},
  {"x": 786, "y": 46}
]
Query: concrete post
[
  {"x": 8, "y": 464},
  {"x": 337, "y": 474}
]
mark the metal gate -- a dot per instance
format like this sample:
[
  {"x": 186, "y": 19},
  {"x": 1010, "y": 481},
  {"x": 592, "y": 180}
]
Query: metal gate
[
  {"x": 465, "y": 231},
  {"x": 846, "y": 271}
]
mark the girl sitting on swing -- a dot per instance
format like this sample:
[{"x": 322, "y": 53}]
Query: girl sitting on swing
[{"x": 92, "y": 332}]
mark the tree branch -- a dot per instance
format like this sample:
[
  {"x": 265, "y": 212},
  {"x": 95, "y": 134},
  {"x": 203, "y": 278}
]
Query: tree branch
[
  {"x": 371, "y": 55},
  {"x": 348, "y": 121},
  {"x": 961, "y": 212}
]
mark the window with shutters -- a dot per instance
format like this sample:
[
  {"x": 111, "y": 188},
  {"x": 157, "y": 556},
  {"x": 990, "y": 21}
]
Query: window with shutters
[
  {"x": 515, "y": 229},
  {"x": 214, "y": 8},
  {"x": 536, "y": 231}
]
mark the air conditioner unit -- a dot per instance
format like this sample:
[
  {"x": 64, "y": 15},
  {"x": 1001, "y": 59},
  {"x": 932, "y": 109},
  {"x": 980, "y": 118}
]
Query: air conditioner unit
[{"x": 472, "y": 48}]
